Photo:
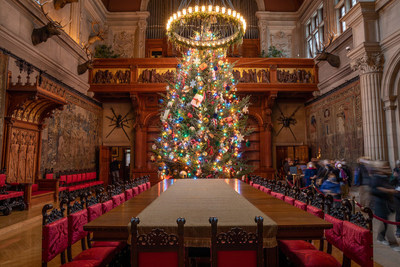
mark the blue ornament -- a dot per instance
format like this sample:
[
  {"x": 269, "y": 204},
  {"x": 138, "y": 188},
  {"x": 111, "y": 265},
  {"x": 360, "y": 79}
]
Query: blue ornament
[
  {"x": 215, "y": 68},
  {"x": 179, "y": 66},
  {"x": 215, "y": 115},
  {"x": 160, "y": 100},
  {"x": 180, "y": 119},
  {"x": 228, "y": 88}
]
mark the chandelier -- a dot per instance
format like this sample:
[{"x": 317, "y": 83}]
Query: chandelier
[{"x": 206, "y": 27}]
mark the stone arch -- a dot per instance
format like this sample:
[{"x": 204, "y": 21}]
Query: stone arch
[{"x": 391, "y": 78}]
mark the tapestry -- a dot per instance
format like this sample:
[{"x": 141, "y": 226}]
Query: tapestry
[
  {"x": 334, "y": 124},
  {"x": 3, "y": 84},
  {"x": 71, "y": 138}
]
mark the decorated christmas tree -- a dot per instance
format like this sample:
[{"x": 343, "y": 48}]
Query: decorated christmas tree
[{"x": 203, "y": 120}]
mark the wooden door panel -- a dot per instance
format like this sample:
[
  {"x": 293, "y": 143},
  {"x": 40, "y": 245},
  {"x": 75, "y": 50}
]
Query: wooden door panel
[{"x": 104, "y": 165}]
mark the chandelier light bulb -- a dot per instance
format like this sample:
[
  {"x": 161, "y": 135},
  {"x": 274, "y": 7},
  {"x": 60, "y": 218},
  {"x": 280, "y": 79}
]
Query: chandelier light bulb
[
  {"x": 196, "y": 9},
  {"x": 217, "y": 9},
  {"x": 234, "y": 13},
  {"x": 190, "y": 10},
  {"x": 229, "y": 12},
  {"x": 184, "y": 12},
  {"x": 223, "y": 10},
  {"x": 203, "y": 8},
  {"x": 179, "y": 14},
  {"x": 210, "y": 8}
]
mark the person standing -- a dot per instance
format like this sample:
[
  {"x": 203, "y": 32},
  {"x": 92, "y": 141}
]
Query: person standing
[
  {"x": 395, "y": 181},
  {"x": 382, "y": 193},
  {"x": 114, "y": 168},
  {"x": 311, "y": 171}
]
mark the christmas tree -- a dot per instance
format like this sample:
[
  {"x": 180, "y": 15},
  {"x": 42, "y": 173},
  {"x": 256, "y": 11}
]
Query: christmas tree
[{"x": 203, "y": 120}]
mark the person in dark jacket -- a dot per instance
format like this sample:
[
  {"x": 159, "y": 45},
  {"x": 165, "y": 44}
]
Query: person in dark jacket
[
  {"x": 331, "y": 186},
  {"x": 396, "y": 183},
  {"x": 382, "y": 193}
]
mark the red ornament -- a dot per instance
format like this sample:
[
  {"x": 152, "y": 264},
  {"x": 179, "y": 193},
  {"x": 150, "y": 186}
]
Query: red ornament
[{"x": 190, "y": 115}]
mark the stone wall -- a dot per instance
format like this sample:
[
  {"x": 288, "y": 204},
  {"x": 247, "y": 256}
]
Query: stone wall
[
  {"x": 3, "y": 84},
  {"x": 334, "y": 123},
  {"x": 72, "y": 136}
]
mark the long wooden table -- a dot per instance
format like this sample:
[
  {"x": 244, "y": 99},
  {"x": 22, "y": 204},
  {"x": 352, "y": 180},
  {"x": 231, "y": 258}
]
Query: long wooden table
[{"x": 293, "y": 223}]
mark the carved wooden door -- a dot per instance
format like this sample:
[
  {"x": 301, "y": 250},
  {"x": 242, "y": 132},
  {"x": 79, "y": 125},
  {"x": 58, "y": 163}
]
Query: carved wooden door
[{"x": 104, "y": 164}]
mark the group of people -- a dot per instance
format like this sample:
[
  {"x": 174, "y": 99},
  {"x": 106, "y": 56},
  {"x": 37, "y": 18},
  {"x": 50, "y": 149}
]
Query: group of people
[
  {"x": 378, "y": 185},
  {"x": 333, "y": 177}
]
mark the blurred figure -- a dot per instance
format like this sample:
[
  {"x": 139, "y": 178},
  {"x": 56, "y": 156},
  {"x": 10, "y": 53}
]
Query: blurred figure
[
  {"x": 322, "y": 173},
  {"x": 382, "y": 193},
  {"x": 362, "y": 179},
  {"x": 331, "y": 186},
  {"x": 286, "y": 165},
  {"x": 395, "y": 181},
  {"x": 311, "y": 171},
  {"x": 343, "y": 179},
  {"x": 114, "y": 168}
]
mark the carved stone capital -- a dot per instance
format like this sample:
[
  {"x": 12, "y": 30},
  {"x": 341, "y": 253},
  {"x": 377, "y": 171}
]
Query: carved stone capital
[
  {"x": 142, "y": 24},
  {"x": 372, "y": 62}
]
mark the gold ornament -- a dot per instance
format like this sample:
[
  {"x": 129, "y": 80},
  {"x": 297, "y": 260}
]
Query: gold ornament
[{"x": 183, "y": 174}]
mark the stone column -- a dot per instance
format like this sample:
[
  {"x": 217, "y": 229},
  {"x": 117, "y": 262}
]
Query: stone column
[
  {"x": 262, "y": 27},
  {"x": 370, "y": 66},
  {"x": 141, "y": 38}
]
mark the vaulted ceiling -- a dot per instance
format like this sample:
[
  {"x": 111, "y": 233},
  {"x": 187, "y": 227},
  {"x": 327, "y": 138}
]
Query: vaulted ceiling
[{"x": 270, "y": 5}]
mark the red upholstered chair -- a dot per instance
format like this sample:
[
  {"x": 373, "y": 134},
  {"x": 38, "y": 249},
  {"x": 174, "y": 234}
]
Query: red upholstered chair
[
  {"x": 142, "y": 188},
  {"x": 55, "y": 237},
  {"x": 251, "y": 183},
  {"x": 128, "y": 194},
  {"x": 280, "y": 196},
  {"x": 107, "y": 206},
  {"x": 10, "y": 199},
  {"x": 357, "y": 239},
  {"x": 77, "y": 218},
  {"x": 152, "y": 250},
  {"x": 289, "y": 200},
  {"x": 301, "y": 205},
  {"x": 116, "y": 201},
  {"x": 135, "y": 191},
  {"x": 316, "y": 204},
  {"x": 314, "y": 258},
  {"x": 237, "y": 248}
]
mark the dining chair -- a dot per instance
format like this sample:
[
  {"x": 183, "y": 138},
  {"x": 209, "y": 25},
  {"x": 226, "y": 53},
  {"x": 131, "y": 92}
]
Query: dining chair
[
  {"x": 157, "y": 248},
  {"x": 237, "y": 247}
]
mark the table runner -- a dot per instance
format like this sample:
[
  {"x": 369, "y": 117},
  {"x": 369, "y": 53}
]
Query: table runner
[{"x": 196, "y": 201}]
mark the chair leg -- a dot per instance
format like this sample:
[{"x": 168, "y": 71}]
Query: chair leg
[
  {"x": 89, "y": 243},
  {"x": 69, "y": 254},
  {"x": 83, "y": 243},
  {"x": 329, "y": 248},
  {"x": 346, "y": 261},
  {"x": 321, "y": 244}
]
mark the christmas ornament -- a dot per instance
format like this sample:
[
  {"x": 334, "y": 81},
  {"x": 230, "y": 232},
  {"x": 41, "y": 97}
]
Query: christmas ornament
[
  {"x": 240, "y": 138},
  {"x": 248, "y": 143},
  {"x": 192, "y": 83},
  {"x": 152, "y": 158},
  {"x": 154, "y": 147},
  {"x": 183, "y": 174},
  {"x": 190, "y": 115},
  {"x": 203, "y": 66},
  {"x": 197, "y": 100},
  {"x": 186, "y": 88},
  {"x": 245, "y": 110},
  {"x": 215, "y": 68}
]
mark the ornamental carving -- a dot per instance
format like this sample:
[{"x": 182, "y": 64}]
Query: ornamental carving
[
  {"x": 295, "y": 76},
  {"x": 369, "y": 63},
  {"x": 158, "y": 237},
  {"x": 252, "y": 76},
  {"x": 21, "y": 160},
  {"x": 236, "y": 236},
  {"x": 152, "y": 76},
  {"x": 112, "y": 77},
  {"x": 123, "y": 44}
]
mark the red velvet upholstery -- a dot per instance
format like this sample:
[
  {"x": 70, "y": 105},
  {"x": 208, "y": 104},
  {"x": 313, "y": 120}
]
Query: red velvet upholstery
[
  {"x": 11, "y": 194},
  {"x": 314, "y": 258},
  {"x": 74, "y": 178},
  {"x": 63, "y": 178},
  {"x": 60, "y": 189},
  {"x": 256, "y": 186},
  {"x": 76, "y": 221},
  {"x": 135, "y": 191},
  {"x": 35, "y": 187},
  {"x": 107, "y": 206},
  {"x": 148, "y": 185},
  {"x": 55, "y": 239},
  {"x": 116, "y": 201},
  {"x": 288, "y": 247},
  {"x": 280, "y": 196},
  {"x": 69, "y": 178},
  {"x": 2, "y": 180},
  {"x": 237, "y": 258},
  {"x": 141, "y": 188},
  {"x": 122, "y": 197},
  {"x": 84, "y": 178},
  {"x": 128, "y": 194},
  {"x": 289, "y": 200},
  {"x": 94, "y": 211},
  {"x": 49, "y": 176},
  {"x": 83, "y": 263},
  {"x": 103, "y": 254},
  {"x": 315, "y": 211},
  {"x": 251, "y": 183},
  {"x": 268, "y": 191},
  {"x": 79, "y": 177},
  {"x": 262, "y": 188},
  {"x": 357, "y": 244},
  {"x": 300, "y": 205},
  {"x": 158, "y": 259},
  {"x": 334, "y": 235}
]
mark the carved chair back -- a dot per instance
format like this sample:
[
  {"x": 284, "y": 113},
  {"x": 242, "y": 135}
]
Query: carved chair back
[
  {"x": 157, "y": 248},
  {"x": 237, "y": 245},
  {"x": 54, "y": 233},
  {"x": 77, "y": 218}
]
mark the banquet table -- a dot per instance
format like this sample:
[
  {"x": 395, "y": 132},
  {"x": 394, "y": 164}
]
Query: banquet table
[{"x": 232, "y": 201}]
